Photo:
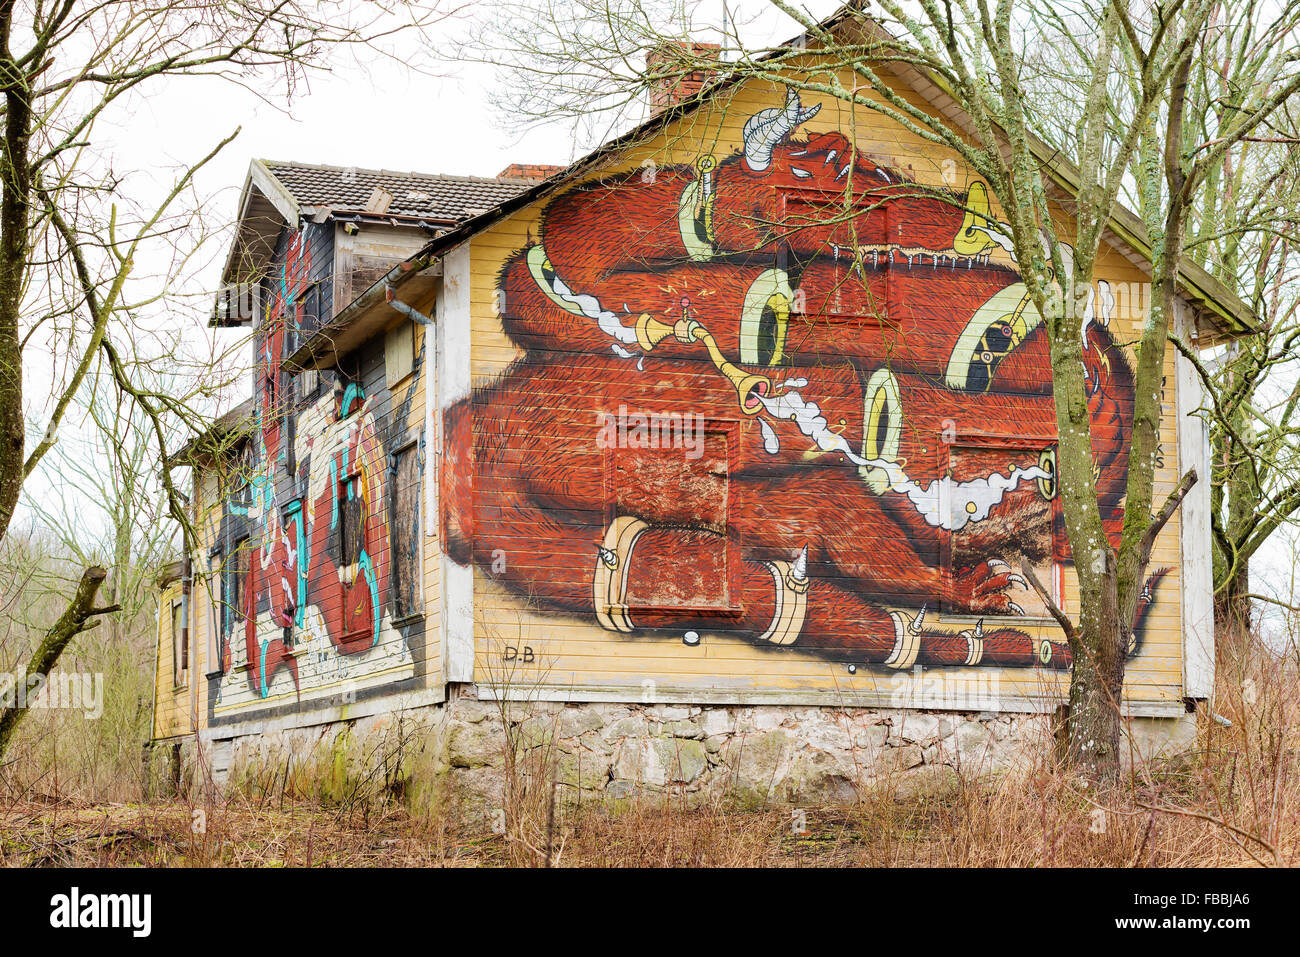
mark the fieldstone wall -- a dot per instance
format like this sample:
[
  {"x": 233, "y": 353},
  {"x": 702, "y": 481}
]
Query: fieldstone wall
[{"x": 754, "y": 754}]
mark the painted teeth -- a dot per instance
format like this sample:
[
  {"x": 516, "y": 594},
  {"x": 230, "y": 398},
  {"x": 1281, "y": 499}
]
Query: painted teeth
[{"x": 916, "y": 255}]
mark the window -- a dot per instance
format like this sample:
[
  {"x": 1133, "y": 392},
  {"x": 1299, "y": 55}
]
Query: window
[
  {"x": 180, "y": 644},
  {"x": 309, "y": 309},
  {"x": 238, "y": 610},
  {"x": 405, "y": 524},
  {"x": 353, "y": 556},
  {"x": 662, "y": 452},
  {"x": 308, "y": 384},
  {"x": 857, "y": 297},
  {"x": 1019, "y": 526},
  {"x": 293, "y": 524},
  {"x": 399, "y": 352},
  {"x": 351, "y": 521},
  {"x": 216, "y": 588}
]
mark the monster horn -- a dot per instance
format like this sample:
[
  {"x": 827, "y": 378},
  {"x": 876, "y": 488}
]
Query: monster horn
[{"x": 766, "y": 128}]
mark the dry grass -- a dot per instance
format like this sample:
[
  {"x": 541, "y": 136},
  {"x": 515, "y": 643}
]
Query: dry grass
[
  {"x": 1232, "y": 801},
  {"x": 1017, "y": 821}
]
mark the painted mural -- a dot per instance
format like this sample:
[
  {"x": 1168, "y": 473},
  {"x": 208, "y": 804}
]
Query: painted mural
[
  {"x": 309, "y": 538},
  {"x": 785, "y": 393}
]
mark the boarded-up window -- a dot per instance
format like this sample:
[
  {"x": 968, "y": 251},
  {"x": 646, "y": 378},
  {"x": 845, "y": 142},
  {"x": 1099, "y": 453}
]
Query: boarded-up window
[
  {"x": 308, "y": 382},
  {"x": 180, "y": 647},
  {"x": 852, "y": 290},
  {"x": 239, "y": 591},
  {"x": 991, "y": 522},
  {"x": 353, "y": 554},
  {"x": 309, "y": 309},
  {"x": 215, "y": 586},
  {"x": 399, "y": 352},
  {"x": 677, "y": 460},
  {"x": 351, "y": 521},
  {"x": 405, "y": 526},
  {"x": 293, "y": 525}
]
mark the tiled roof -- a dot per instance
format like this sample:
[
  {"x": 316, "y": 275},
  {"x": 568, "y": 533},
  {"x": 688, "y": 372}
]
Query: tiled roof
[{"x": 417, "y": 195}]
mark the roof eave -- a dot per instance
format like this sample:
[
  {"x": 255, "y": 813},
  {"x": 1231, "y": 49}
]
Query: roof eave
[{"x": 367, "y": 314}]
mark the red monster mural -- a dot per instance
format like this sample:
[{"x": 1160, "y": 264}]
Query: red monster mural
[{"x": 841, "y": 421}]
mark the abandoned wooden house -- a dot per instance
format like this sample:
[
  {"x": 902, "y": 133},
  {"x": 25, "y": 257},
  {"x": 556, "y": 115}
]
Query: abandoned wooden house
[{"x": 687, "y": 443}]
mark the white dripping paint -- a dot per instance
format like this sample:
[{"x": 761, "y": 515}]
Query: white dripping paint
[
  {"x": 591, "y": 308},
  {"x": 935, "y": 502},
  {"x": 997, "y": 236}
]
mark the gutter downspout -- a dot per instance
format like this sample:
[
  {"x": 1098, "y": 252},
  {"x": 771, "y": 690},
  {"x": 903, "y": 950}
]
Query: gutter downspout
[
  {"x": 381, "y": 290},
  {"x": 390, "y": 297}
]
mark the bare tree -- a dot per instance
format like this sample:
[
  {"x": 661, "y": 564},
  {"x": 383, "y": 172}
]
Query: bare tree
[{"x": 71, "y": 240}]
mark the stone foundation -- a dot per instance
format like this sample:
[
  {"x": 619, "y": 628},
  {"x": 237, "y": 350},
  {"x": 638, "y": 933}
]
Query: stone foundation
[{"x": 755, "y": 754}]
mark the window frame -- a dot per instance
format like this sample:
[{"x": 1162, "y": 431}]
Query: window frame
[
  {"x": 809, "y": 197},
  {"x": 412, "y": 446},
  {"x": 180, "y": 644},
  {"x": 732, "y": 546},
  {"x": 997, "y": 442}
]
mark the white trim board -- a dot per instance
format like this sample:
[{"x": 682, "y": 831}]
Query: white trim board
[
  {"x": 454, "y": 337},
  {"x": 1197, "y": 573}
]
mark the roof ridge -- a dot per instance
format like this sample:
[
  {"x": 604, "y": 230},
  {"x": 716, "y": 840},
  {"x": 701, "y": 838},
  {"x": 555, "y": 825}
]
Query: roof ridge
[{"x": 450, "y": 177}]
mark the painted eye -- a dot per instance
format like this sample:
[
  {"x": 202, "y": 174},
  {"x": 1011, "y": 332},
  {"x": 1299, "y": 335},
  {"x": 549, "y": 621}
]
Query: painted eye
[
  {"x": 1047, "y": 462},
  {"x": 994, "y": 332},
  {"x": 765, "y": 317},
  {"x": 882, "y": 427}
]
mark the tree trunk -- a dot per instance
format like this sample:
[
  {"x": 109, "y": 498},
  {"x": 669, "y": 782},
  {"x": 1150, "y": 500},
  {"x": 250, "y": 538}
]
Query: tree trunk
[
  {"x": 1097, "y": 678},
  {"x": 74, "y": 620}
]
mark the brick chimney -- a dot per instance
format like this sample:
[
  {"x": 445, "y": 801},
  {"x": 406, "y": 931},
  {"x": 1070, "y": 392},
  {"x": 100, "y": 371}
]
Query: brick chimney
[
  {"x": 529, "y": 172},
  {"x": 671, "y": 59}
]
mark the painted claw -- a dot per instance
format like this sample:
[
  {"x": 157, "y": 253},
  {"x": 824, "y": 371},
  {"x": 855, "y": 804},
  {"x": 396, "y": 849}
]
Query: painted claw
[
  {"x": 799, "y": 569},
  {"x": 1019, "y": 581},
  {"x": 998, "y": 563},
  {"x": 1015, "y": 609},
  {"x": 918, "y": 622},
  {"x": 979, "y": 628}
]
